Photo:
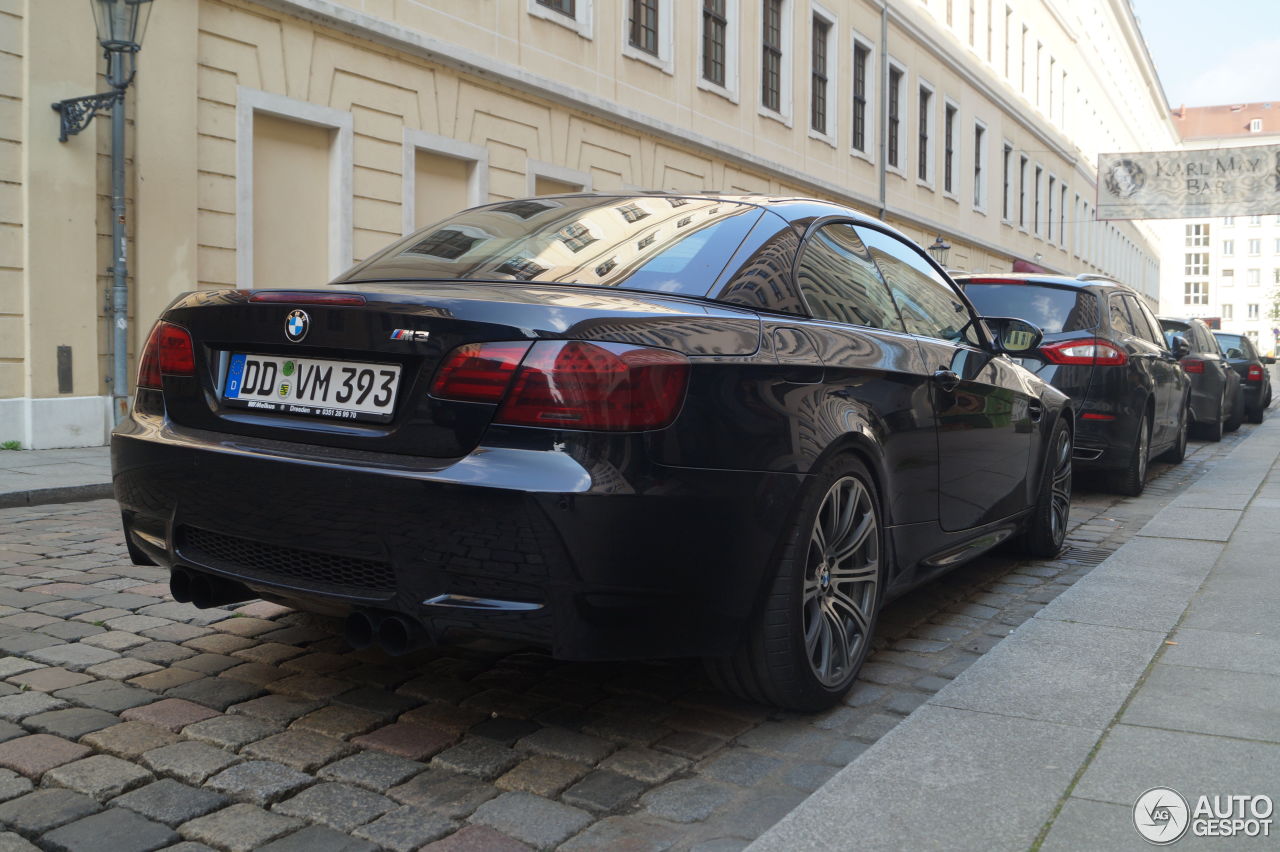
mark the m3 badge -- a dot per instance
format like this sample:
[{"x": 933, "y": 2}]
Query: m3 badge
[{"x": 409, "y": 335}]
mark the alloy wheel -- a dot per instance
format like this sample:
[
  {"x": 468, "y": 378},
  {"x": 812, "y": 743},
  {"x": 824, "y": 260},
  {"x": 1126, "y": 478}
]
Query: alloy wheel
[
  {"x": 1144, "y": 449},
  {"x": 1061, "y": 494},
  {"x": 840, "y": 582}
]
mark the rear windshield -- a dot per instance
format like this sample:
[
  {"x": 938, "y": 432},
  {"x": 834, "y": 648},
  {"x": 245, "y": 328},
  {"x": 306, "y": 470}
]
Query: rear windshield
[
  {"x": 655, "y": 243},
  {"x": 1053, "y": 309}
]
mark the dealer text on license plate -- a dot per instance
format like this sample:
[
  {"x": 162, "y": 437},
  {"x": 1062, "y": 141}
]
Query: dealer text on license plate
[{"x": 342, "y": 389}]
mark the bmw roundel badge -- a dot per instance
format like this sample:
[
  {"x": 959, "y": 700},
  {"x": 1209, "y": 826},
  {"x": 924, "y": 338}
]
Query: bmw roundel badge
[{"x": 296, "y": 325}]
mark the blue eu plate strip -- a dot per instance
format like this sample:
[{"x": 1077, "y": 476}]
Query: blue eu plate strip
[{"x": 235, "y": 375}]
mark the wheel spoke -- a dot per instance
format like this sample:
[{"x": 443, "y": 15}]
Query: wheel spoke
[
  {"x": 843, "y": 608},
  {"x": 840, "y": 650},
  {"x": 855, "y": 539},
  {"x": 865, "y": 573}
]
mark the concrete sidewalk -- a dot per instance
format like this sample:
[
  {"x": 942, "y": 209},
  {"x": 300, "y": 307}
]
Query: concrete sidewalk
[
  {"x": 1160, "y": 668},
  {"x": 33, "y": 477}
]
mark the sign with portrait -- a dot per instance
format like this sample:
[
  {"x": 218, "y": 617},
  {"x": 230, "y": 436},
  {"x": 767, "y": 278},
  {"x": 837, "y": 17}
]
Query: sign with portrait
[{"x": 1189, "y": 184}]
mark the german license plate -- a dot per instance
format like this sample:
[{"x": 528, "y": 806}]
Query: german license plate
[{"x": 345, "y": 390}]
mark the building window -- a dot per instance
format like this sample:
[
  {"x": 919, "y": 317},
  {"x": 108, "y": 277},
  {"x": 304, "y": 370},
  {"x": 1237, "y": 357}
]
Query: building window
[
  {"x": 926, "y": 159},
  {"x": 820, "y": 51},
  {"x": 1197, "y": 235},
  {"x": 632, "y": 212},
  {"x": 1229, "y": 247},
  {"x": 1196, "y": 293},
  {"x": 1252, "y": 334},
  {"x": 979, "y": 166},
  {"x": 564, "y": 7},
  {"x": 1008, "y": 19},
  {"x": 1277, "y": 248},
  {"x": 1228, "y": 277},
  {"x": 1022, "y": 191},
  {"x": 1275, "y": 276},
  {"x": 861, "y": 65},
  {"x": 1053, "y": 181},
  {"x": 1253, "y": 311},
  {"x": 715, "y": 32},
  {"x": 1006, "y": 206},
  {"x": 1253, "y": 277},
  {"x": 1228, "y": 312},
  {"x": 1255, "y": 220},
  {"x": 575, "y": 236},
  {"x": 1035, "y": 212},
  {"x": 1062, "y": 215},
  {"x": 1022, "y": 54},
  {"x": 1255, "y": 247},
  {"x": 1197, "y": 264},
  {"x": 1228, "y": 221},
  {"x": 644, "y": 26},
  {"x": 771, "y": 56},
  {"x": 521, "y": 268},
  {"x": 574, "y": 14},
  {"x": 449, "y": 244},
  {"x": 1255, "y": 125},
  {"x": 895, "y": 117},
  {"x": 949, "y": 150}
]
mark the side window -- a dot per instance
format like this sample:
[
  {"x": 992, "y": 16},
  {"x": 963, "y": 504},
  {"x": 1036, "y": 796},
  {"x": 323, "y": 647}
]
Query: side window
[
  {"x": 1152, "y": 322},
  {"x": 840, "y": 282},
  {"x": 1120, "y": 316},
  {"x": 1140, "y": 325},
  {"x": 929, "y": 305}
]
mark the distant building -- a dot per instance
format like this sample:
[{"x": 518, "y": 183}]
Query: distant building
[
  {"x": 1225, "y": 268},
  {"x": 274, "y": 142}
]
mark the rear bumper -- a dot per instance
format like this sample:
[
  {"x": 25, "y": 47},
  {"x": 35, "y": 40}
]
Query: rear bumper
[
  {"x": 1103, "y": 444},
  {"x": 573, "y": 541}
]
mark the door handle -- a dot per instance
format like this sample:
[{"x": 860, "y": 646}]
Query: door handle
[{"x": 947, "y": 380}]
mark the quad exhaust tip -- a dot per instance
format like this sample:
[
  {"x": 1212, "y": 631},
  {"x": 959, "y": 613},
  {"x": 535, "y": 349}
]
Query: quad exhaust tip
[
  {"x": 204, "y": 591},
  {"x": 394, "y": 634}
]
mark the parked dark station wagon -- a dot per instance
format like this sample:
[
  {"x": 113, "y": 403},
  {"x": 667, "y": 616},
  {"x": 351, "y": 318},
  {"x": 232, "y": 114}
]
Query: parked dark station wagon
[{"x": 619, "y": 426}]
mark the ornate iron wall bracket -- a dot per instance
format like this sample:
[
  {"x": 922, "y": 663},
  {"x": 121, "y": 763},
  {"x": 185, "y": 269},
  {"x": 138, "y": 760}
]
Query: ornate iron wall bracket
[{"x": 76, "y": 113}]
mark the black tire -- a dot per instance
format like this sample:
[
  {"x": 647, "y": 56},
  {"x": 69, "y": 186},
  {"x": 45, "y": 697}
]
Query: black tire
[
  {"x": 1047, "y": 526},
  {"x": 1237, "y": 414},
  {"x": 1178, "y": 451},
  {"x": 1131, "y": 480},
  {"x": 781, "y": 660},
  {"x": 1212, "y": 429},
  {"x": 1255, "y": 414}
]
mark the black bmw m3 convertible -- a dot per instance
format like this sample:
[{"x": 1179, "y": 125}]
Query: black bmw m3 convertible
[{"x": 617, "y": 426}]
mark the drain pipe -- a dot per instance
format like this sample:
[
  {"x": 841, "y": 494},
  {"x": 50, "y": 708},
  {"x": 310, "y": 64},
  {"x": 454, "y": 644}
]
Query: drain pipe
[{"x": 883, "y": 83}]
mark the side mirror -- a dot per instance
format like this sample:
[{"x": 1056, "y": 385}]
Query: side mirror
[
  {"x": 1268, "y": 359},
  {"x": 1181, "y": 348},
  {"x": 1013, "y": 336}
]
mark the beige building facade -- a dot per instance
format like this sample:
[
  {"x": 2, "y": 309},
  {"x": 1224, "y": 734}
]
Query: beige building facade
[{"x": 274, "y": 142}]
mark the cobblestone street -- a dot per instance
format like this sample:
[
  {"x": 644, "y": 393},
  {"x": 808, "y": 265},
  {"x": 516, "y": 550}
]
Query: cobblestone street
[{"x": 131, "y": 722}]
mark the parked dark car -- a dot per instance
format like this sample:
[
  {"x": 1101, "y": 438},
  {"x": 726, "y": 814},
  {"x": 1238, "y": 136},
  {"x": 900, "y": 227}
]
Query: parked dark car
[
  {"x": 1217, "y": 403},
  {"x": 620, "y": 426},
  {"x": 1253, "y": 371},
  {"x": 1103, "y": 348}
]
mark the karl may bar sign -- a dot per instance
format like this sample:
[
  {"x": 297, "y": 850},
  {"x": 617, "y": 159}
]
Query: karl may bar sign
[{"x": 1189, "y": 184}]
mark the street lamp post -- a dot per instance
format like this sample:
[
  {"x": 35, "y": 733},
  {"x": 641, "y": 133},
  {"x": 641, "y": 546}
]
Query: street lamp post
[
  {"x": 121, "y": 25},
  {"x": 940, "y": 249}
]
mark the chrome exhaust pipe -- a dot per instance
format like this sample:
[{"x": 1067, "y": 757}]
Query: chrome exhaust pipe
[
  {"x": 180, "y": 585},
  {"x": 362, "y": 628},
  {"x": 208, "y": 592},
  {"x": 398, "y": 635}
]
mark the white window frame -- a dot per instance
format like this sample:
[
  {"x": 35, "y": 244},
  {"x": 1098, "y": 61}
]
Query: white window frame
[
  {"x": 1255, "y": 242},
  {"x": 931, "y": 153},
  {"x": 420, "y": 140},
  {"x": 664, "y": 61},
  {"x": 1252, "y": 311},
  {"x": 1253, "y": 277},
  {"x": 1228, "y": 248},
  {"x": 535, "y": 169},
  {"x": 1037, "y": 198},
  {"x": 871, "y": 125},
  {"x": 1051, "y": 191},
  {"x": 903, "y": 118},
  {"x": 980, "y": 198},
  {"x": 249, "y": 102},
  {"x": 581, "y": 23},
  {"x": 833, "y": 74},
  {"x": 786, "y": 73},
  {"x": 1063, "y": 193},
  {"x": 1006, "y": 177},
  {"x": 1255, "y": 125},
  {"x": 732, "y": 39}
]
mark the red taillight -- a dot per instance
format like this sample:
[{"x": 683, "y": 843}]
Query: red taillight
[
  {"x": 478, "y": 372},
  {"x": 293, "y": 297},
  {"x": 1193, "y": 365},
  {"x": 1091, "y": 351},
  {"x": 168, "y": 353},
  {"x": 1091, "y": 415},
  {"x": 1254, "y": 374},
  {"x": 610, "y": 386}
]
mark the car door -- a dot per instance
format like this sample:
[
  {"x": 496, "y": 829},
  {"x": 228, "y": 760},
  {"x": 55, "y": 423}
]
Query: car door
[
  {"x": 984, "y": 409},
  {"x": 1153, "y": 362},
  {"x": 1171, "y": 393}
]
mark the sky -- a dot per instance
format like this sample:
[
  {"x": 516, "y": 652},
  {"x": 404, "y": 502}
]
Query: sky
[{"x": 1223, "y": 52}]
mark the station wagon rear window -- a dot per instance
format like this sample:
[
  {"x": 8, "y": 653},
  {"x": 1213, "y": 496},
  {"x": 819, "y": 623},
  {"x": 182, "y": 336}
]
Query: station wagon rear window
[{"x": 1053, "y": 309}]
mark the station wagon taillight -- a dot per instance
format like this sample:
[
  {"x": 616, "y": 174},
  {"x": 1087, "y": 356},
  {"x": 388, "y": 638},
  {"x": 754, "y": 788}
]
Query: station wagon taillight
[
  {"x": 1088, "y": 352},
  {"x": 1254, "y": 374},
  {"x": 1192, "y": 365},
  {"x": 168, "y": 352},
  {"x": 570, "y": 384}
]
